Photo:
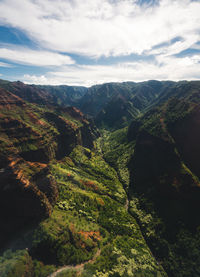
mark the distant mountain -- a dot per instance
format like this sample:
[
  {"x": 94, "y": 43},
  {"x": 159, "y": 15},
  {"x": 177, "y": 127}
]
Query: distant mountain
[
  {"x": 187, "y": 90},
  {"x": 113, "y": 105},
  {"x": 65, "y": 95},
  {"x": 56, "y": 95},
  {"x": 28, "y": 93}
]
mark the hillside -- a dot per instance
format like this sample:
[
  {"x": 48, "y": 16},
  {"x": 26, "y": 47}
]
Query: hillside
[
  {"x": 114, "y": 105},
  {"x": 31, "y": 136},
  {"x": 65, "y": 95},
  {"x": 165, "y": 178}
]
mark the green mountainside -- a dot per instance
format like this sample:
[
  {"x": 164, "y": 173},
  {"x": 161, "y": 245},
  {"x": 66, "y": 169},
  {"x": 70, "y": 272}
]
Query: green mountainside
[
  {"x": 121, "y": 200},
  {"x": 65, "y": 95},
  {"x": 114, "y": 105},
  {"x": 165, "y": 175}
]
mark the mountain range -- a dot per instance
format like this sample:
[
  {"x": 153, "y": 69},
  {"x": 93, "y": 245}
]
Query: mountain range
[{"x": 100, "y": 181}]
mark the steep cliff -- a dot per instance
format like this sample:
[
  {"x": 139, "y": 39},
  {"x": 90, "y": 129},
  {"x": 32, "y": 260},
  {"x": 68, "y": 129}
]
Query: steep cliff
[
  {"x": 31, "y": 137},
  {"x": 165, "y": 162}
]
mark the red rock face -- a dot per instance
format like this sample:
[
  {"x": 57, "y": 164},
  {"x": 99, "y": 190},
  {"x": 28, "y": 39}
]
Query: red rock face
[
  {"x": 24, "y": 199},
  {"x": 26, "y": 192},
  {"x": 29, "y": 93},
  {"x": 8, "y": 100},
  {"x": 76, "y": 113}
]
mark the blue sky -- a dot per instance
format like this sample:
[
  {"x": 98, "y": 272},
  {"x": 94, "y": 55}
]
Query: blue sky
[{"x": 88, "y": 42}]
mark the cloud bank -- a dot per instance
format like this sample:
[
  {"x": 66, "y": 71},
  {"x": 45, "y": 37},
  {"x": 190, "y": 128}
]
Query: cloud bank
[
  {"x": 32, "y": 57},
  {"x": 106, "y": 28},
  {"x": 174, "y": 69}
]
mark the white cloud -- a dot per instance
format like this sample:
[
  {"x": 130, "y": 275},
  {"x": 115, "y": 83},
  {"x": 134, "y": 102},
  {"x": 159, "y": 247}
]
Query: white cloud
[
  {"x": 176, "y": 47},
  {"x": 103, "y": 27},
  {"x": 33, "y": 57},
  {"x": 42, "y": 80},
  {"x": 173, "y": 69},
  {"x": 5, "y": 65}
]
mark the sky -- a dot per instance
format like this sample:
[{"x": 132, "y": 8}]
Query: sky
[{"x": 76, "y": 42}]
